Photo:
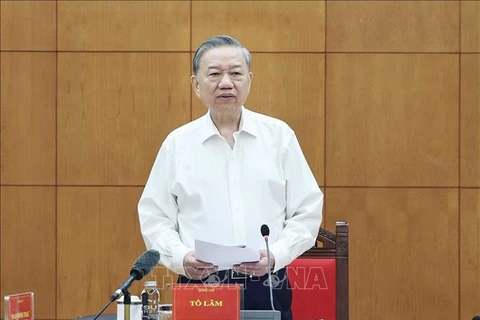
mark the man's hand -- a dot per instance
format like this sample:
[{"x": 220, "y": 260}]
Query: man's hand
[
  {"x": 195, "y": 269},
  {"x": 259, "y": 268}
]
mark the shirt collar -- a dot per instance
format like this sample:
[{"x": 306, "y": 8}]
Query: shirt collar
[{"x": 247, "y": 124}]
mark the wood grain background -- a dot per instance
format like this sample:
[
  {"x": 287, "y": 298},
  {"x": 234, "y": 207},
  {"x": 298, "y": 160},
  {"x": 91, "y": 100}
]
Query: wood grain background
[{"x": 383, "y": 95}]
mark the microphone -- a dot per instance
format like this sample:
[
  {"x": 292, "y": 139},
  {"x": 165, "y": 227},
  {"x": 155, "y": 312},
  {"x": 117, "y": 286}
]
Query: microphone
[
  {"x": 141, "y": 267},
  {"x": 476, "y": 318},
  {"x": 265, "y": 230},
  {"x": 144, "y": 264}
]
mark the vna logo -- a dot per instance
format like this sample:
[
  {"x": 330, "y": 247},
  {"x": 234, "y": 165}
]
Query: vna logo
[{"x": 307, "y": 278}]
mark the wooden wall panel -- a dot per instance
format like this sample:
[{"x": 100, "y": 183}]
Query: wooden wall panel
[
  {"x": 295, "y": 94},
  {"x": 124, "y": 25},
  {"x": 470, "y": 120},
  {"x": 28, "y": 245},
  {"x": 99, "y": 239},
  {"x": 28, "y": 97},
  {"x": 469, "y": 253},
  {"x": 114, "y": 110},
  {"x": 28, "y": 25},
  {"x": 392, "y": 26},
  {"x": 470, "y": 18},
  {"x": 403, "y": 251},
  {"x": 262, "y": 25},
  {"x": 392, "y": 120}
]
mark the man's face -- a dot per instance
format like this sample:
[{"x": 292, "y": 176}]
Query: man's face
[{"x": 223, "y": 79}]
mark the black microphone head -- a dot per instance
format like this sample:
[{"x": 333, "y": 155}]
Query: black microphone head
[
  {"x": 265, "y": 230},
  {"x": 476, "y": 318},
  {"x": 145, "y": 263}
]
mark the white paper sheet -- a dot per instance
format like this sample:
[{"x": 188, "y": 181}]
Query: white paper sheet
[{"x": 225, "y": 257}]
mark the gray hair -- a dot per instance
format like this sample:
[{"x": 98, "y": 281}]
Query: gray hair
[{"x": 215, "y": 42}]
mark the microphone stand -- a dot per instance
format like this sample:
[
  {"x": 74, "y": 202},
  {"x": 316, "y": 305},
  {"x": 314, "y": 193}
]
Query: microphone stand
[
  {"x": 101, "y": 311},
  {"x": 269, "y": 275},
  {"x": 127, "y": 301}
]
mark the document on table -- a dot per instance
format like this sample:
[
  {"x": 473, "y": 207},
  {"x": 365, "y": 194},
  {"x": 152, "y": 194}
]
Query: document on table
[{"x": 225, "y": 257}]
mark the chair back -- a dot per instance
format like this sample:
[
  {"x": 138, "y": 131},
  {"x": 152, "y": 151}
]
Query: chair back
[{"x": 319, "y": 278}]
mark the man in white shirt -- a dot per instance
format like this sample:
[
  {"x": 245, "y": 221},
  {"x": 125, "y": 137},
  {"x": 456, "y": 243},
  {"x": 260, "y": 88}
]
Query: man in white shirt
[{"x": 221, "y": 177}]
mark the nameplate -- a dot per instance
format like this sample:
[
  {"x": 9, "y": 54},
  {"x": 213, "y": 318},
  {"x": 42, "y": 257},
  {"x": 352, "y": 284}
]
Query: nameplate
[
  {"x": 206, "y": 302},
  {"x": 19, "y": 306}
]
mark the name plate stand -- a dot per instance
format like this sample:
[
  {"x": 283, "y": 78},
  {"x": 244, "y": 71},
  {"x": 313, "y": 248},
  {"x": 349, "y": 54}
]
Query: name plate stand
[
  {"x": 206, "y": 302},
  {"x": 19, "y": 306}
]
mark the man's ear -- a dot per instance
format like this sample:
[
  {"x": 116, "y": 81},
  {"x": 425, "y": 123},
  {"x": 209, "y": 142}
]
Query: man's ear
[{"x": 195, "y": 87}]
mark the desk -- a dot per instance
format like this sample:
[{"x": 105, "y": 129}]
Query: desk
[{"x": 244, "y": 314}]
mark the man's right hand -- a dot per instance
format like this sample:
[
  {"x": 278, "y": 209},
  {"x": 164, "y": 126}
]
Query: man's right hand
[{"x": 195, "y": 269}]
